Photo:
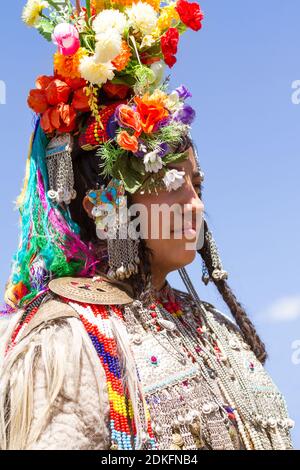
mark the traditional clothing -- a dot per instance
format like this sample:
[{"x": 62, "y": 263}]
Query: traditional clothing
[
  {"x": 174, "y": 375},
  {"x": 91, "y": 357}
]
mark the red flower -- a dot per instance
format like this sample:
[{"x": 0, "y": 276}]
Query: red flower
[
  {"x": 74, "y": 83},
  {"x": 37, "y": 101},
  {"x": 67, "y": 118},
  {"x": 80, "y": 101},
  {"x": 57, "y": 92},
  {"x": 61, "y": 118},
  {"x": 43, "y": 81},
  {"x": 190, "y": 14},
  {"x": 169, "y": 44},
  {"x": 147, "y": 59}
]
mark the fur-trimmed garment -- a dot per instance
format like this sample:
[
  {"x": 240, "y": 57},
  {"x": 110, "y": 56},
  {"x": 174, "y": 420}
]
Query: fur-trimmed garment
[{"x": 53, "y": 389}]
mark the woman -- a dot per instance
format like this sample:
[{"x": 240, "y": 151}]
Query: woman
[{"x": 100, "y": 352}]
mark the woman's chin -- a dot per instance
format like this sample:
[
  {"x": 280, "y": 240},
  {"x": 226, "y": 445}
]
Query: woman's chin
[{"x": 184, "y": 252}]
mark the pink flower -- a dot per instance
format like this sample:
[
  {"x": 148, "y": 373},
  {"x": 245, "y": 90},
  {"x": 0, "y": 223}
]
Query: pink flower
[{"x": 66, "y": 37}]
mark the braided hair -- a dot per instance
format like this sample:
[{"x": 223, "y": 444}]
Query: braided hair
[{"x": 238, "y": 312}]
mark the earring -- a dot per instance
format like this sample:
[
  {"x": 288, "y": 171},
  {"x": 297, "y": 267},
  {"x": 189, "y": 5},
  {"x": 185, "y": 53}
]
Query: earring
[
  {"x": 112, "y": 221},
  {"x": 218, "y": 272},
  {"x": 60, "y": 169}
]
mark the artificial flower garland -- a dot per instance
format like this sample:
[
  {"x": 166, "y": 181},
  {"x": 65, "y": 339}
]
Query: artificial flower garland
[{"x": 117, "y": 48}]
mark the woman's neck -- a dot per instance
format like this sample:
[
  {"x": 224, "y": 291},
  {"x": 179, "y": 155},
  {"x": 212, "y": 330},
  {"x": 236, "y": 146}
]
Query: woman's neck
[{"x": 158, "y": 279}]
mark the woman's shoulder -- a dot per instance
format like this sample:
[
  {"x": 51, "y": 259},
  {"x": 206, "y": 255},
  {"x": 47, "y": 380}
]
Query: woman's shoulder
[{"x": 67, "y": 379}]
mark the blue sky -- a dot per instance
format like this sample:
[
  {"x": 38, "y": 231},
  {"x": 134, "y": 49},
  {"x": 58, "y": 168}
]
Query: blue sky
[{"x": 240, "y": 69}]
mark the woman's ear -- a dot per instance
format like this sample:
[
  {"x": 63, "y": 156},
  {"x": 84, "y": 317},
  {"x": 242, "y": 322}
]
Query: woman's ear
[{"x": 88, "y": 207}]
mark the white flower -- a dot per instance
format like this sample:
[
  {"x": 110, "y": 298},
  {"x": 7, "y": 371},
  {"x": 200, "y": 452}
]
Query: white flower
[
  {"x": 142, "y": 17},
  {"x": 31, "y": 11},
  {"x": 142, "y": 148},
  {"x": 147, "y": 41},
  {"x": 173, "y": 102},
  {"x": 108, "y": 46},
  {"x": 173, "y": 179},
  {"x": 153, "y": 162},
  {"x": 108, "y": 19},
  {"x": 94, "y": 72}
]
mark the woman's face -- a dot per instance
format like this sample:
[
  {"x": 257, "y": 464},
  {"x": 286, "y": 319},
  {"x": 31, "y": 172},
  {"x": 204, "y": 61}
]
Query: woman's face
[{"x": 177, "y": 228}]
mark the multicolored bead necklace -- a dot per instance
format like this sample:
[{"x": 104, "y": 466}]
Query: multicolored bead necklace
[{"x": 95, "y": 319}]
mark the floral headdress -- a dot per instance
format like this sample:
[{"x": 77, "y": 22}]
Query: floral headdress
[
  {"x": 110, "y": 63},
  {"x": 108, "y": 91}
]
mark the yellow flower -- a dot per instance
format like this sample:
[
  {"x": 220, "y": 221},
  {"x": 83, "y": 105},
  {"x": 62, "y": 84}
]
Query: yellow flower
[
  {"x": 127, "y": 3},
  {"x": 68, "y": 65},
  {"x": 159, "y": 96},
  {"x": 154, "y": 3},
  {"x": 168, "y": 16},
  {"x": 147, "y": 41},
  {"x": 32, "y": 10},
  {"x": 99, "y": 5}
]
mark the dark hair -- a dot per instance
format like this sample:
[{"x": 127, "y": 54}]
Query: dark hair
[
  {"x": 86, "y": 166},
  {"x": 86, "y": 174}
]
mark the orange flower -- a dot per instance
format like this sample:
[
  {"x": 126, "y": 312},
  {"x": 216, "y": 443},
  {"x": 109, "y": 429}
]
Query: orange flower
[
  {"x": 98, "y": 5},
  {"x": 46, "y": 124},
  {"x": 122, "y": 60},
  {"x": 127, "y": 3},
  {"x": 116, "y": 91},
  {"x": 67, "y": 65},
  {"x": 151, "y": 112},
  {"x": 37, "y": 101},
  {"x": 80, "y": 101},
  {"x": 67, "y": 117},
  {"x": 43, "y": 81},
  {"x": 128, "y": 142},
  {"x": 129, "y": 118},
  {"x": 57, "y": 92},
  {"x": 61, "y": 118}
]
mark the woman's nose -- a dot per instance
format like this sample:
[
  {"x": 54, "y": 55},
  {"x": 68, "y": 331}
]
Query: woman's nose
[{"x": 195, "y": 207}]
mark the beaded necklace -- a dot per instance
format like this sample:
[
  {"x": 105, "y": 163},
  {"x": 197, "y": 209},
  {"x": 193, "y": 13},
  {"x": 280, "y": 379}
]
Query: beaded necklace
[
  {"x": 29, "y": 312},
  {"x": 95, "y": 319}
]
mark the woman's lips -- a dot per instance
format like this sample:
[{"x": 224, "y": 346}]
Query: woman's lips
[{"x": 189, "y": 230}]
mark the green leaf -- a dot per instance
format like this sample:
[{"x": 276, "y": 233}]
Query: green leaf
[
  {"x": 88, "y": 8},
  {"x": 181, "y": 28},
  {"x": 56, "y": 4},
  {"x": 131, "y": 178},
  {"x": 45, "y": 28},
  {"x": 138, "y": 165},
  {"x": 175, "y": 158}
]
